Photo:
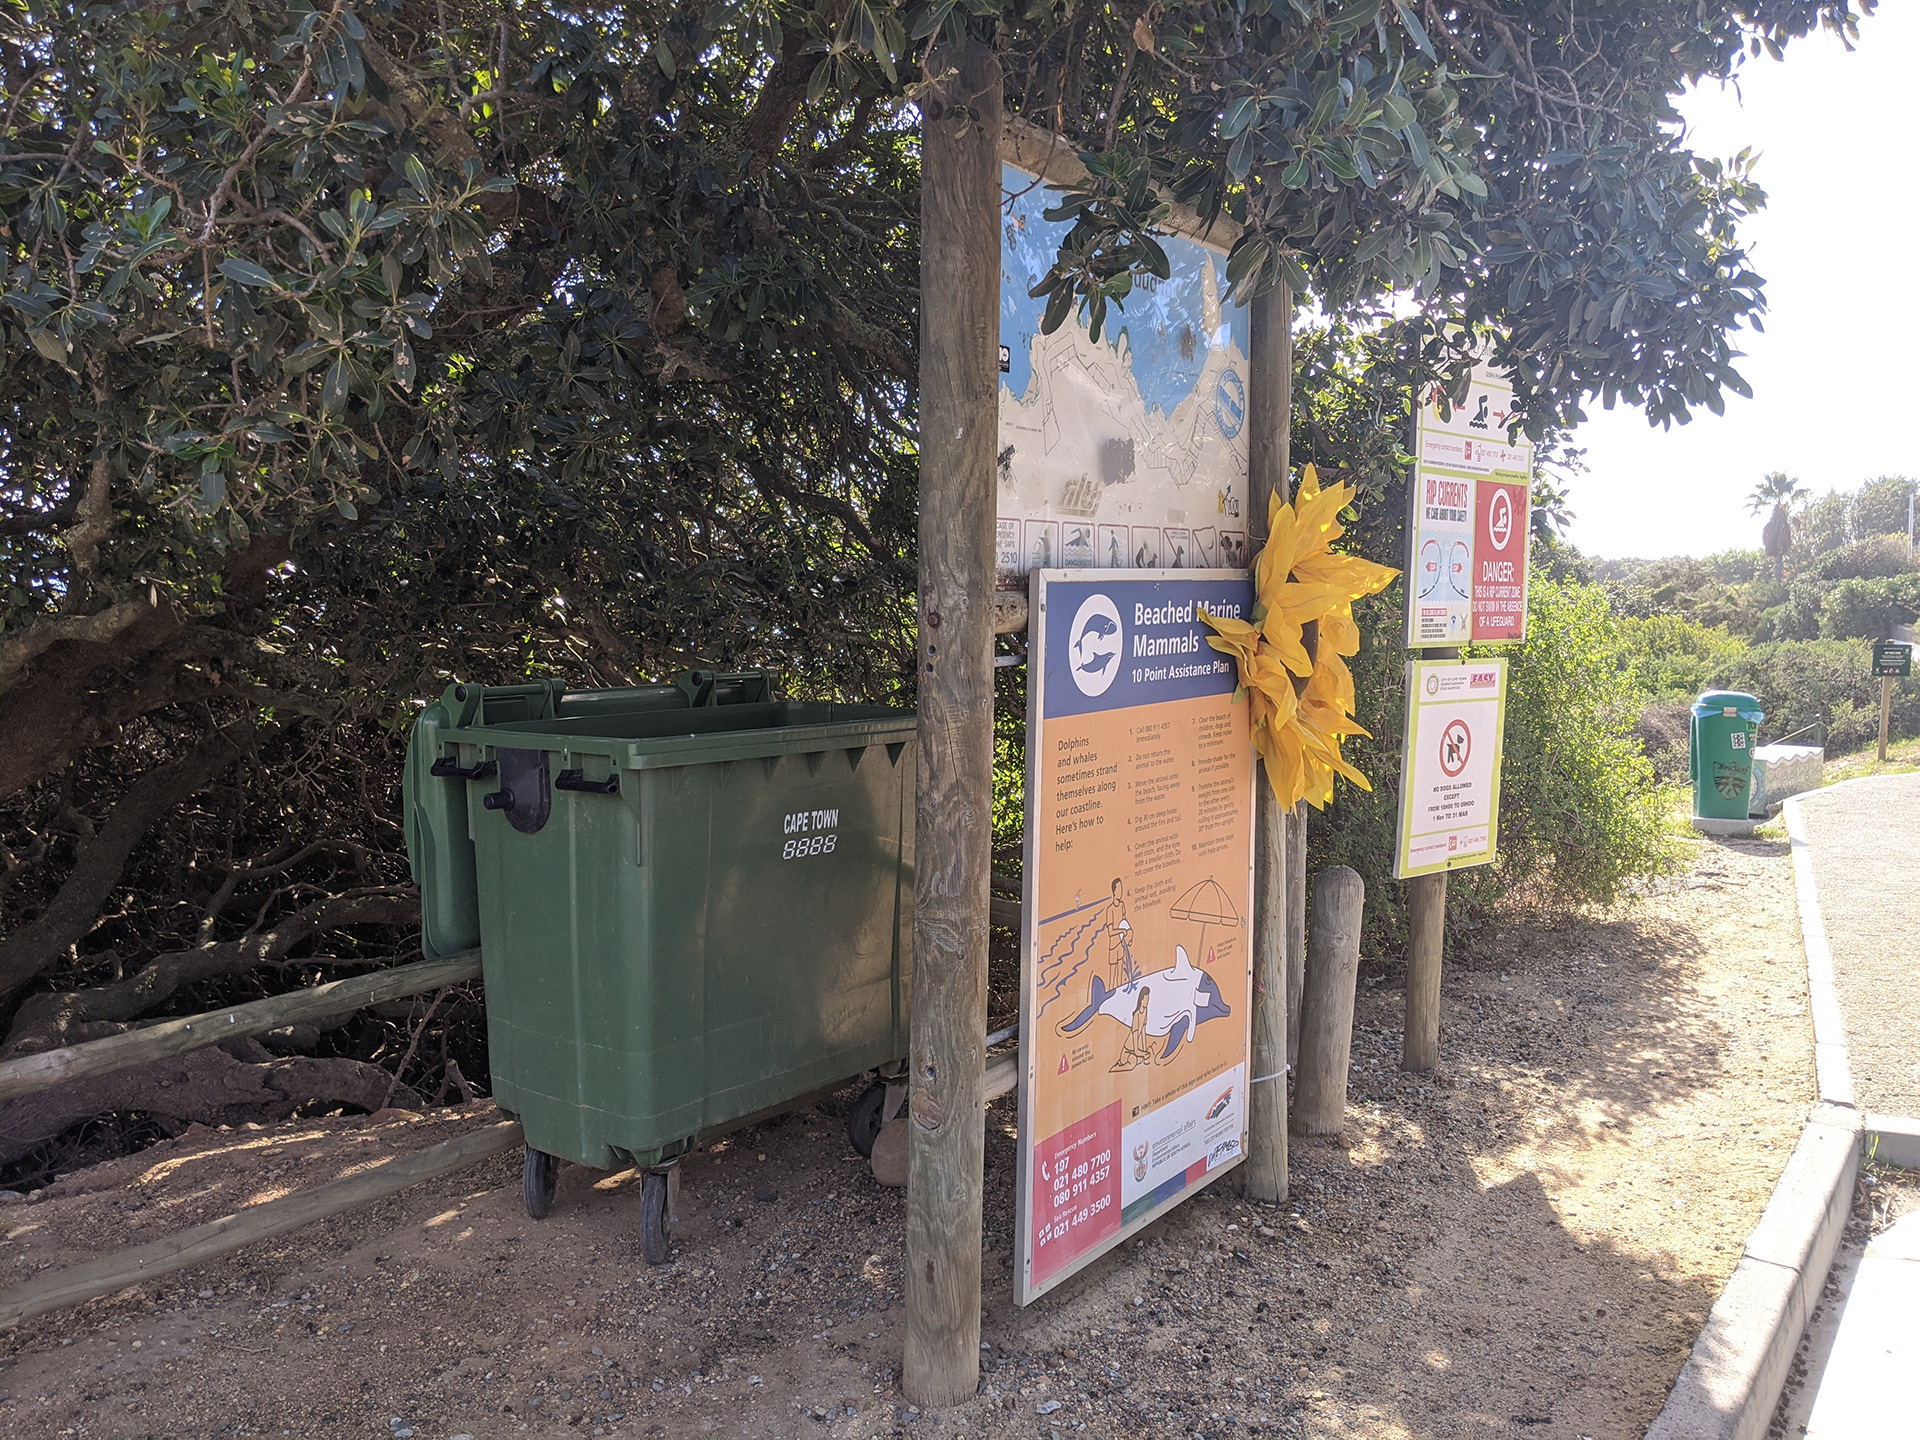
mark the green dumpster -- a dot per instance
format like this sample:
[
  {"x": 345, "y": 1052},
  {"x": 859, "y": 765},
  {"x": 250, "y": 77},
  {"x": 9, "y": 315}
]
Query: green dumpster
[
  {"x": 1721, "y": 736},
  {"x": 694, "y": 909}
]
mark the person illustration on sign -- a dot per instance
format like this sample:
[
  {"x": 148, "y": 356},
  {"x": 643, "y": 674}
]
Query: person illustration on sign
[
  {"x": 1136, "y": 1050},
  {"x": 1119, "y": 938}
]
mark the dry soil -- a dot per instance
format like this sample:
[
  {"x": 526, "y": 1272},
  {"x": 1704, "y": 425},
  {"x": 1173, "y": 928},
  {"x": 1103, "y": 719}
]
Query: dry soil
[{"x": 1524, "y": 1243}]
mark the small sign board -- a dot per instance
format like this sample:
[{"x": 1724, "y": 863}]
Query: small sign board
[
  {"x": 1450, "y": 765},
  {"x": 1892, "y": 658},
  {"x": 1137, "y": 967},
  {"x": 1469, "y": 516}
]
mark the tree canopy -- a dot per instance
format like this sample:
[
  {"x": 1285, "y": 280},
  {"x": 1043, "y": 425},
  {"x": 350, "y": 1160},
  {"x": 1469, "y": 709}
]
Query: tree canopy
[{"x": 346, "y": 347}]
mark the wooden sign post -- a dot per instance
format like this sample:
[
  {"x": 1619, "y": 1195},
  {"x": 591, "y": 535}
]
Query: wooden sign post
[
  {"x": 1892, "y": 660},
  {"x": 1270, "y": 408},
  {"x": 953, "y": 829}
]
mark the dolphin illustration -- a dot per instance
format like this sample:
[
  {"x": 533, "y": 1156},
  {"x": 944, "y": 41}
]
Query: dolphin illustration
[
  {"x": 1100, "y": 625},
  {"x": 1180, "y": 998},
  {"x": 1098, "y": 663}
]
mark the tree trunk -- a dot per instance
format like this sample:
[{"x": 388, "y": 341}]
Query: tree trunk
[
  {"x": 103, "y": 856},
  {"x": 210, "y": 1087}
]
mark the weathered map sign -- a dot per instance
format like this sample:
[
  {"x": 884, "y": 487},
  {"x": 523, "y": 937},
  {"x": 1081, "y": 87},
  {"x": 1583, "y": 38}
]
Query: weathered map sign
[
  {"x": 1450, "y": 765},
  {"x": 1469, "y": 517},
  {"x": 1136, "y": 997},
  {"x": 1126, "y": 452}
]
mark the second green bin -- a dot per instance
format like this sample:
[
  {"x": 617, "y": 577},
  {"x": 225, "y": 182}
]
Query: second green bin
[{"x": 688, "y": 915}]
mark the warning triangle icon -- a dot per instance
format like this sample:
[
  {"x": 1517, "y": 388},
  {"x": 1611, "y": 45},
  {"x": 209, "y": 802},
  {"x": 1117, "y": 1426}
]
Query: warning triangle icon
[{"x": 1063, "y": 1066}]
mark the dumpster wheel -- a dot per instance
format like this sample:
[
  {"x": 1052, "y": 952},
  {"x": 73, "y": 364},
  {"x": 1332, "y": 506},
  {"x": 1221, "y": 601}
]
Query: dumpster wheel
[
  {"x": 653, "y": 1218},
  {"x": 541, "y": 1175},
  {"x": 866, "y": 1117}
]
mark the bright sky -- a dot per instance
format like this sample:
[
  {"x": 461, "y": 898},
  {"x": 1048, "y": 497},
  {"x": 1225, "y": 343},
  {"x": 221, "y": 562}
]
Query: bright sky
[{"x": 1836, "y": 375}]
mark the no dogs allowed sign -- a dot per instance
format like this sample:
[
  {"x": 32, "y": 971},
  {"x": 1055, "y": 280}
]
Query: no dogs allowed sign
[{"x": 1450, "y": 768}]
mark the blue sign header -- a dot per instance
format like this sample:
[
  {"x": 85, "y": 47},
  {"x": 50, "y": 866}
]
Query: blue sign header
[{"x": 1113, "y": 643}]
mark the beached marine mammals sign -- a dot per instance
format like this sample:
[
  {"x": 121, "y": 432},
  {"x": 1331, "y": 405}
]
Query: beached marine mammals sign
[{"x": 1136, "y": 997}]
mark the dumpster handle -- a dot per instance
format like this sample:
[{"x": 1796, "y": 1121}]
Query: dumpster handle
[
  {"x": 577, "y": 780},
  {"x": 448, "y": 768}
]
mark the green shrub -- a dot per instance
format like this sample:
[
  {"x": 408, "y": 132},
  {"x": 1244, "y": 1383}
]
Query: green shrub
[
  {"x": 1869, "y": 608},
  {"x": 1580, "y": 812}
]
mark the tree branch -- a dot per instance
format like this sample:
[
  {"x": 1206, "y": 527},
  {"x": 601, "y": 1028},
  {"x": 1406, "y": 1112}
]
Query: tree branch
[
  {"x": 103, "y": 857},
  {"x": 47, "y": 1021}
]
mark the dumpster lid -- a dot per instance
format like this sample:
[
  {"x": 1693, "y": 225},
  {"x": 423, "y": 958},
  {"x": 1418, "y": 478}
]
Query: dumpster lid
[{"x": 1735, "y": 702}]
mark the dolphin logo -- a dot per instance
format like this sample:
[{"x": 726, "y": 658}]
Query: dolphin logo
[
  {"x": 1094, "y": 645},
  {"x": 1178, "y": 1000},
  {"x": 1098, "y": 626}
]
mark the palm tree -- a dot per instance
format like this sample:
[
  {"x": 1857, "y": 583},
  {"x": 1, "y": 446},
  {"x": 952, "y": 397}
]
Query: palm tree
[{"x": 1779, "y": 490}]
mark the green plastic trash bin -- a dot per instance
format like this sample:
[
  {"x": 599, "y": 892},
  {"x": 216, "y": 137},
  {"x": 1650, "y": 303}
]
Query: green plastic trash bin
[
  {"x": 1721, "y": 737},
  {"x": 691, "y": 915},
  {"x": 434, "y": 788}
]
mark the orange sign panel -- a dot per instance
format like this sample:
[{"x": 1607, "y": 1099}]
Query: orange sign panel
[{"x": 1137, "y": 974}]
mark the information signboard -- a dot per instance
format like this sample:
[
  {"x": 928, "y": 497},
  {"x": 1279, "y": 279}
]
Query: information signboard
[
  {"x": 1450, "y": 766},
  {"x": 1137, "y": 979},
  {"x": 1893, "y": 659},
  {"x": 1126, "y": 452},
  {"x": 1469, "y": 517}
]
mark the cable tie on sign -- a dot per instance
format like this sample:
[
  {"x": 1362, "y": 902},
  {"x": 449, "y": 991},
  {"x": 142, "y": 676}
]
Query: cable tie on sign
[{"x": 1282, "y": 1071}]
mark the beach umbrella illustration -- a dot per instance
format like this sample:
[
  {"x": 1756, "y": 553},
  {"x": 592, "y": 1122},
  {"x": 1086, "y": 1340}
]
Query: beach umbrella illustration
[{"x": 1207, "y": 904}]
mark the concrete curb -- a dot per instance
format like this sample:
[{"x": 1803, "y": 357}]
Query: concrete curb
[
  {"x": 1731, "y": 1382},
  {"x": 1892, "y": 1140},
  {"x": 1832, "y": 1070}
]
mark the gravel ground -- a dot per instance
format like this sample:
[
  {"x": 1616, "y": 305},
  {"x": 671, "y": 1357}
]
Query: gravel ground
[
  {"x": 1865, "y": 838},
  {"x": 1522, "y": 1244}
]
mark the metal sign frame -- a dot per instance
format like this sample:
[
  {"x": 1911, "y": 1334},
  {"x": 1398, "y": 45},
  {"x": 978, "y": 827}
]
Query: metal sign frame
[{"x": 1202, "y": 821}]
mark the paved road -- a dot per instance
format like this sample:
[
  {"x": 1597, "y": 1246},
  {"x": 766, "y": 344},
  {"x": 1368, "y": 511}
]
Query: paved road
[{"x": 1865, "y": 839}]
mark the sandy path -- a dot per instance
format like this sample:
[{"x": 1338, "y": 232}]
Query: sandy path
[
  {"x": 1865, "y": 839},
  {"x": 1523, "y": 1244}
]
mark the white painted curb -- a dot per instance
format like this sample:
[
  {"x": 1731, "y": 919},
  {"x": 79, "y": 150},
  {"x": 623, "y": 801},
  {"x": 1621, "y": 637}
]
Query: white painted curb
[{"x": 1732, "y": 1381}]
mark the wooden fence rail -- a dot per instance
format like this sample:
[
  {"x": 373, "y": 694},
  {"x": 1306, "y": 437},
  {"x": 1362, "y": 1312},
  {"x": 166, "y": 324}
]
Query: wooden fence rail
[{"x": 175, "y": 1037}]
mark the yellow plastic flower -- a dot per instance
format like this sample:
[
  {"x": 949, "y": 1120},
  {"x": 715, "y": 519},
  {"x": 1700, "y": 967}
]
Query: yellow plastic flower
[{"x": 1301, "y": 702}]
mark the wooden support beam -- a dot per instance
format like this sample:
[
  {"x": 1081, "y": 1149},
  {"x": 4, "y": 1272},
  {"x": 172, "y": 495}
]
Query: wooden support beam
[
  {"x": 259, "y": 1222},
  {"x": 176, "y": 1037},
  {"x": 953, "y": 830},
  {"x": 1426, "y": 937},
  {"x": 1270, "y": 405},
  {"x": 1326, "y": 1015},
  {"x": 1296, "y": 926}
]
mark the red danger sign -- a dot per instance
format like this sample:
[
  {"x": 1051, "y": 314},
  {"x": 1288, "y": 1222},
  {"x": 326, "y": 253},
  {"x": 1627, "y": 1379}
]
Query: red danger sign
[
  {"x": 1456, "y": 744},
  {"x": 1500, "y": 522}
]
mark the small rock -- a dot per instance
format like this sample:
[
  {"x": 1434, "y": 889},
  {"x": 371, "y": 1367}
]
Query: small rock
[
  {"x": 18, "y": 1197},
  {"x": 889, "y": 1161},
  {"x": 1046, "y": 1407}
]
